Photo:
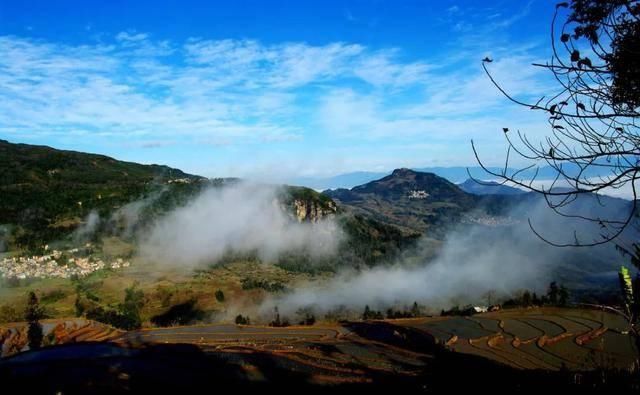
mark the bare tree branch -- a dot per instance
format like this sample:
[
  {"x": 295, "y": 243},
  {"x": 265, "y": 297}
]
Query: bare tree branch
[{"x": 594, "y": 140}]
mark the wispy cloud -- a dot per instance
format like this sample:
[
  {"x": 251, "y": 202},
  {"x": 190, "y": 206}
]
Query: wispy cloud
[
  {"x": 514, "y": 17},
  {"x": 236, "y": 90},
  {"x": 140, "y": 91},
  {"x": 131, "y": 36}
]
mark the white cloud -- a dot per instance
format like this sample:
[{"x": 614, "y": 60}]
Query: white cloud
[
  {"x": 515, "y": 17},
  {"x": 131, "y": 36},
  {"x": 227, "y": 90},
  {"x": 381, "y": 69},
  {"x": 138, "y": 91},
  {"x": 240, "y": 218},
  {"x": 454, "y": 103}
]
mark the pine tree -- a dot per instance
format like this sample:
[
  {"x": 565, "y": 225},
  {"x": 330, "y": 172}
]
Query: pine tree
[
  {"x": 130, "y": 309},
  {"x": 553, "y": 293},
  {"x": 367, "y": 313},
  {"x": 526, "y": 299},
  {"x": 390, "y": 313},
  {"x": 33, "y": 314},
  {"x": 415, "y": 310},
  {"x": 563, "y": 296},
  {"x": 535, "y": 300}
]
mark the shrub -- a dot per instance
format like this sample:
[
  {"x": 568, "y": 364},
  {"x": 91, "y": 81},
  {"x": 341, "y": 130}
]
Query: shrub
[
  {"x": 179, "y": 314},
  {"x": 9, "y": 313},
  {"x": 249, "y": 283},
  {"x": 114, "y": 318},
  {"x": 219, "y": 296},
  {"x": 369, "y": 314},
  {"x": 309, "y": 320},
  {"x": 126, "y": 316},
  {"x": 53, "y": 296}
]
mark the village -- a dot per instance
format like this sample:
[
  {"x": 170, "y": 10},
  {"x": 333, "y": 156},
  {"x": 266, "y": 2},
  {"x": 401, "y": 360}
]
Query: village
[
  {"x": 57, "y": 264},
  {"x": 489, "y": 220}
]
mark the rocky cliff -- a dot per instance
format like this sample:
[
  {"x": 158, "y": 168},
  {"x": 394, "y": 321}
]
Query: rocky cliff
[
  {"x": 312, "y": 211},
  {"x": 307, "y": 205}
]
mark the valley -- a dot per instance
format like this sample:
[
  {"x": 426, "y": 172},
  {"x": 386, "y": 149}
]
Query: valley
[
  {"x": 121, "y": 281},
  {"x": 364, "y": 196}
]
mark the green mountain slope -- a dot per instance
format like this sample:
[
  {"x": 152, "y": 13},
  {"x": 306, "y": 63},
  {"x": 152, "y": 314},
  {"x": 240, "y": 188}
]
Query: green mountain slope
[{"x": 45, "y": 192}]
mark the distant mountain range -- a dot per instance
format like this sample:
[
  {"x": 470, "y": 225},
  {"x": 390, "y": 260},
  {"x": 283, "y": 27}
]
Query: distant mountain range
[
  {"x": 416, "y": 200},
  {"x": 488, "y": 188},
  {"x": 350, "y": 180},
  {"x": 455, "y": 174}
]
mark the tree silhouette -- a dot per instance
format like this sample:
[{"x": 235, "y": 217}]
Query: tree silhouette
[
  {"x": 563, "y": 296},
  {"x": 526, "y": 299},
  {"x": 367, "y": 313},
  {"x": 33, "y": 314},
  {"x": 415, "y": 310},
  {"x": 241, "y": 320},
  {"x": 593, "y": 115},
  {"x": 553, "y": 293}
]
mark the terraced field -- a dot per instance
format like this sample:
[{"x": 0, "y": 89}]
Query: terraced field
[
  {"x": 323, "y": 355},
  {"x": 531, "y": 345},
  {"x": 226, "y": 333},
  {"x": 332, "y": 353},
  {"x": 546, "y": 338},
  {"x": 13, "y": 337}
]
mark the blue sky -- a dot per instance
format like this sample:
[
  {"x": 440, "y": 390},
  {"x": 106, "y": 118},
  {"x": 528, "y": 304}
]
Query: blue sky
[{"x": 271, "y": 89}]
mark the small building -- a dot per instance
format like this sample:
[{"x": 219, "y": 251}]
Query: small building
[{"x": 418, "y": 194}]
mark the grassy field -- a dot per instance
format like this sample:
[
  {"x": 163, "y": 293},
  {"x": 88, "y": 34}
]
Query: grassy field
[{"x": 245, "y": 284}]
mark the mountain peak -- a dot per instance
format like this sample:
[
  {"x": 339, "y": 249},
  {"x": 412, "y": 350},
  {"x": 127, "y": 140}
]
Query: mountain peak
[
  {"x": 404, "y": 183},
  {"x": 403, "y": 172},
  {"x": 409, "y": 199}
]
